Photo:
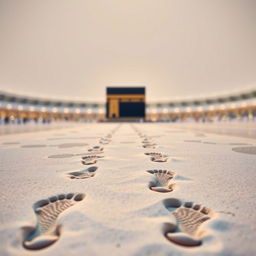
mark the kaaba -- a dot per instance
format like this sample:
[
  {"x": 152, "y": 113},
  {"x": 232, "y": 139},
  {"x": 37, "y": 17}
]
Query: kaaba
[{"x": 125, "y": 103}]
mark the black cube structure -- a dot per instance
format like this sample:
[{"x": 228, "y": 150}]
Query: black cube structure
[{"x": 125, "y": 103}]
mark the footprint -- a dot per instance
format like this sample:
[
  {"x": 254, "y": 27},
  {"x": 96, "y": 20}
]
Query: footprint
[
  {"x": 153, "y": 154},
  {"x": 96, "y": 149},
  {"x": 83, "y": 174},
  {"x": 85, "y": 155},
  {"x": 90, "y": 159},
  {"x": 149, "y": 145},
  {"x": 189, "y": 217},
  {"x": 104, "y": 141},
  {"x": 159, "y": 158},
  {"x": 161, "y": 181},
  {"x": 47, "y": 230}
]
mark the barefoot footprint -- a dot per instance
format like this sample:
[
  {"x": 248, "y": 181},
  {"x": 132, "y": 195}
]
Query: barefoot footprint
[
  {"x": 104, "y": 141},
  {"x": 83, "y": 174},
  {"x": 149, "y": 145},
  {"x": 189, "y": 217},
  {"x": 47, "y": 230},
  {"x": 89, "y": 159},
  {"x": 162, "y": 180},
  {"x": 96, "y": 149},
  {"x": 153, "y": 154},
  {"x": 159, "y": 158}
]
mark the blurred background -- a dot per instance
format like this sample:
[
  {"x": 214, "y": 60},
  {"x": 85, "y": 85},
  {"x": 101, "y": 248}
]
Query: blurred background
[{"x": 197, "y": 60}]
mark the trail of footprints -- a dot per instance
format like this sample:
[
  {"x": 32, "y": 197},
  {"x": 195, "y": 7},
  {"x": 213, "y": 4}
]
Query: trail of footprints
[
  {"x": 189, "y": 216},
  {"x": 47, "y": 230}
]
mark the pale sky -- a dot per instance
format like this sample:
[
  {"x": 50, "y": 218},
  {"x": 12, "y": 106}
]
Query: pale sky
[{"x": 176, "y": 48}]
